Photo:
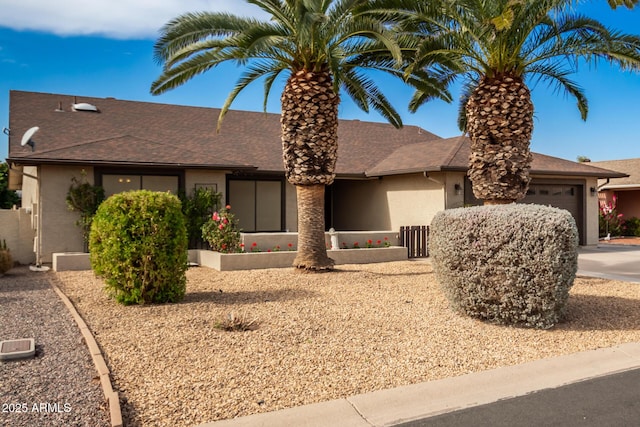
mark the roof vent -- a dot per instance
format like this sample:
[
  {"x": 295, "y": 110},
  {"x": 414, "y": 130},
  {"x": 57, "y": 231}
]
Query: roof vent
[{"x": 84, "y": 106}]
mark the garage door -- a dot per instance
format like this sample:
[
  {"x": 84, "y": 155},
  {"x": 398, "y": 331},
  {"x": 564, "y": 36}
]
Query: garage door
[{"x": 561, "y": 196}]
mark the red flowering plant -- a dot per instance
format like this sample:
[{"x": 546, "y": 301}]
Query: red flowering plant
[
  {"x": 221, "y": 231},
  {"x": 610, "y": 221}
]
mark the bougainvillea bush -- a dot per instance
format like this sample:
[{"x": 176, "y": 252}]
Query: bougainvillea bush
[
  {"x": 221, "y": 231},
  {"x": 138, "y": 245},
  {"x": 509, "y": 264},
  {"x": 610, "y": 222}
]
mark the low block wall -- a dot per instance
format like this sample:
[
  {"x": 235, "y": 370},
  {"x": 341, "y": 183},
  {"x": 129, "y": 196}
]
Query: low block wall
[
  {"x": 260, "y": 260},
  {"x": 71, "y": 261},
  {"x": 74, "y": 261},
  {"x": 266, "y": 241},
  {"x": 16, "y": 229}
]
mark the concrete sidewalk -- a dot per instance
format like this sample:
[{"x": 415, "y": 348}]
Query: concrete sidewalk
[
  {"x": 422, "y": 401},
  {"x": 615, "y": 262}
]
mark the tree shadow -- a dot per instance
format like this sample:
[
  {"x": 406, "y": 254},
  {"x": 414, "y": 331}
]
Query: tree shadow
[
  {"x": 602, "y": 313},
  {"x": 246, "y": 297},
  {"x": 381, "y": 274}
]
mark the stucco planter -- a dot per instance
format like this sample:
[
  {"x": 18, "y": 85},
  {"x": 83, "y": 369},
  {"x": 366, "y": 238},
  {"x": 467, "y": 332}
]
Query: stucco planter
[
  {"x": 258, "y": 260},
  {"x": 74, "y": 261},
  {"x": 71, "y": 261}
]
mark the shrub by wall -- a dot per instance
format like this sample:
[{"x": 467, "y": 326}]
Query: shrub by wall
[
  {"x": 509, "y": 264},
  {"x": 138, "y": 244}
]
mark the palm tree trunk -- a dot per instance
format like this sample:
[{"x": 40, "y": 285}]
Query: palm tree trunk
[
  {"x": 500, "y": 124},
  {"x": 312, "y": 250},
  {"x": 309, "y": 145}
]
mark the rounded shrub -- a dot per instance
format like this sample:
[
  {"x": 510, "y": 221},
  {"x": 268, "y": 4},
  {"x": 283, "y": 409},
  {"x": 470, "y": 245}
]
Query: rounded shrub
[
  {"x": 510, "y": 264},
  {"x": 138, "y": 244}
]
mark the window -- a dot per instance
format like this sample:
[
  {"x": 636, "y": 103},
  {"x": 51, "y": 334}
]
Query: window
[
  {"x": 256, "y": 203},
  {"x": 117, "y": 183}
]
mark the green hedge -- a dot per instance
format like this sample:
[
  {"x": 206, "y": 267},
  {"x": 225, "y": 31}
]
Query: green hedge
[
  {"x": 510, "y": 264},
  {"x": 138, "y": 244}
]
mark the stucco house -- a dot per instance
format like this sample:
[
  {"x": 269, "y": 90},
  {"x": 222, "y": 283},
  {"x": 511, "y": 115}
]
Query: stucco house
[
  {"x": 626, "y": 189},
  {"x": 385, "y": 178}
]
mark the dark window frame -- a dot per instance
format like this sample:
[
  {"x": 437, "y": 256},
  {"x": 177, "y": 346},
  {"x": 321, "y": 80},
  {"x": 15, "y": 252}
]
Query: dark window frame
[
  {"x": 255, "y": 179},
  {"x": 98, "y": 172}
]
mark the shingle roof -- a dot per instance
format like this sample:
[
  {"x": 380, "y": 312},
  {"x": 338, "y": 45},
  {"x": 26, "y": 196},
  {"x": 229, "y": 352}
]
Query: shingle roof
[
  {"x": 143, "y": 133},
  {"x": 131, "y": 133},
  {"x": 452, "y": 154},
  {"x": 630, "y": 167}
]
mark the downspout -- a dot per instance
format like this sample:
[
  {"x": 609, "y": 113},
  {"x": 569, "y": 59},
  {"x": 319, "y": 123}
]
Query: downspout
[{"x": 606, "y": 183}]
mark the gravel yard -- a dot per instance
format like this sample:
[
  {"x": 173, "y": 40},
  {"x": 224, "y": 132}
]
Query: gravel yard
[
  {"x": 57, "y": 387},
  {"x": 318, "y": 337}
]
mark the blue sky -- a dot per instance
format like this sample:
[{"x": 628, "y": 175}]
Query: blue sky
[{"x": 104, "y": 48}]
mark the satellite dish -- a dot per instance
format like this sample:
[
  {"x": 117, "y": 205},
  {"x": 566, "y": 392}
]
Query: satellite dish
[{"x": 26, "y": 138}]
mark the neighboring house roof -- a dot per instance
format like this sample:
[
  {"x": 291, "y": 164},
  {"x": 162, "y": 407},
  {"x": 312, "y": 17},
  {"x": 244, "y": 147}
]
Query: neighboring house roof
[
  {"x": 629, "y": 167},
  {"x": 131, "y": 133}
]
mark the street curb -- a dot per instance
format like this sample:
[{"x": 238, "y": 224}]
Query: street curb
[{"x": 115, "y": 413}]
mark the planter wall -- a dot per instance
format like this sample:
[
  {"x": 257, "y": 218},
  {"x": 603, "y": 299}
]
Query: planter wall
[
  {"x": 74, "y": 261},
  {"x": 265, "y": 241},
  {"x": 258, "y": 260},
  {"x": 71, "y": 261}
]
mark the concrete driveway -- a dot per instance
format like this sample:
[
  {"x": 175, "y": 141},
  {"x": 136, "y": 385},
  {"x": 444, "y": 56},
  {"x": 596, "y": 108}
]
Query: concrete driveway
[{"x": 615, "y": 262}]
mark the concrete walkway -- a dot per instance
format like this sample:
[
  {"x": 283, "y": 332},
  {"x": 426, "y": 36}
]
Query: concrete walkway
[
  {"x": 615, "y": 262},
  {"x": 423, "y": 404}
]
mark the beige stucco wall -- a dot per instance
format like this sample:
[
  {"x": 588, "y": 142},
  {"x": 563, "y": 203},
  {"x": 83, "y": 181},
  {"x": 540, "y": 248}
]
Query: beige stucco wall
[
  {"x": 389, "y": 202},
  {"x": 16, "y": 229},
  {"x": 591, "y": 212},
  {"x": 59, "y": 231},
  {"x": 199, "y": 176}
]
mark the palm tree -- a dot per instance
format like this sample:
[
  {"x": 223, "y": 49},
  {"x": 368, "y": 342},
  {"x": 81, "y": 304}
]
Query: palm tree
[
  {"x": 322, "y": 46},
  {"x": 629, "y": 4},
  {"x": 497, "y": 46}
]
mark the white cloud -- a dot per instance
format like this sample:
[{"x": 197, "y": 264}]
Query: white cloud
[{"x": 120, "y": 19}]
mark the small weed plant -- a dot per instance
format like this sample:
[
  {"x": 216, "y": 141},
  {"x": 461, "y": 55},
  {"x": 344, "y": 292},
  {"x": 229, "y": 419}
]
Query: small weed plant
[{"x": 233, "y": 322}]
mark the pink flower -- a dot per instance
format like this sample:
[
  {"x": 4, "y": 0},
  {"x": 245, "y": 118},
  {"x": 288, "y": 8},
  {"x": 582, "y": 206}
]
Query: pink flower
[
  {"x": 215, "y": 216},
  {"x": 228, "y": 207},
  {"x": 221, "y": 226},
  {"x": 226, "y": 221}
]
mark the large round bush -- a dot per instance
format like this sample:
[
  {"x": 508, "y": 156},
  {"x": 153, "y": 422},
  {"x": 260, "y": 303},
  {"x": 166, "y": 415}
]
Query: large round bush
[
  {"x": 510, "y": 264},
  {"x": 138, "y": 244}
]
